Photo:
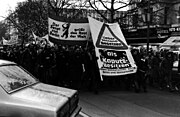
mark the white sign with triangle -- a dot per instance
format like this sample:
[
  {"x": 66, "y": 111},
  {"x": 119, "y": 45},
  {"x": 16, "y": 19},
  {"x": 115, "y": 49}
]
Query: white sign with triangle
[{"x": 111, "y": 48}]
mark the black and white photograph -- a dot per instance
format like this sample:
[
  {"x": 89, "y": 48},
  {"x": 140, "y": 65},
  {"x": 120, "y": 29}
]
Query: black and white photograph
[{"x": 89, "y": 58}]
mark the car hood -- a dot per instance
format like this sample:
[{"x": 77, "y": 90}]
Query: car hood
[
  {"x": 42, "y": 94},
  {"x": 65, "y": 92}
]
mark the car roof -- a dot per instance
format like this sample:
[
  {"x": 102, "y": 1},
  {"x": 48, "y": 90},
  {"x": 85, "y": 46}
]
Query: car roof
[{"x": 6, "y": 62}]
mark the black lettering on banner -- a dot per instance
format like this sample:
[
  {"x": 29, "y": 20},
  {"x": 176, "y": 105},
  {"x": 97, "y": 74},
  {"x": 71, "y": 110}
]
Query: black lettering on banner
[
  {"x": 113, "y": 59},
  {"x": 79, "y": 33},
  {"x": 54, "y": 29},
  {"x": 111, "y": 41}
]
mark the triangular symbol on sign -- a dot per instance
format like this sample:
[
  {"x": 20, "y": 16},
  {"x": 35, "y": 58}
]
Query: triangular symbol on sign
[{"x": 107, "y": 39}]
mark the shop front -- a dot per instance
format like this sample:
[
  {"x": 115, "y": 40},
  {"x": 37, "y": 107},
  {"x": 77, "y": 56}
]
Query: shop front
[{"x": 138, "y": 36}]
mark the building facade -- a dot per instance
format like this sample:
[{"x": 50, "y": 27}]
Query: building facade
[{"x": 164, "y": 21}]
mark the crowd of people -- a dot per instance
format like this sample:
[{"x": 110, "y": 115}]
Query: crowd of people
[
  {"x": 156, "y": 69},
  {"x": 76, "y": 66},
  {"x": 62, "y": 65}
]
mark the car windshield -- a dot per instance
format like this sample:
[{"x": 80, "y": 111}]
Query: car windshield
[{"x": 13, "y": 77}]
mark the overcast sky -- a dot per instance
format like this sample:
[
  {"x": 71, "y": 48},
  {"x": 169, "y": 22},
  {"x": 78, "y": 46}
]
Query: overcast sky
[{"x": 5, "y": 5}]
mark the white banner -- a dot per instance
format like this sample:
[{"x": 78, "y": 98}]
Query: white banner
[
  {"x": 111, "y": 48},
  {"x": 66, "y": 31}
]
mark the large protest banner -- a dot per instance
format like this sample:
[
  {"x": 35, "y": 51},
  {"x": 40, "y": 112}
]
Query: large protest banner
[
  {"x": 67, "y": 32},
  {"x": 111, "y": 48}
]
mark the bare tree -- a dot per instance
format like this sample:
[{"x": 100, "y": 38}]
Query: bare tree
[
  {"x": 58, "y": 6},
  {"x": 3, "y": 29},
  {"x": 110, "y": 6},
  {"x": 29, "y": 16}
]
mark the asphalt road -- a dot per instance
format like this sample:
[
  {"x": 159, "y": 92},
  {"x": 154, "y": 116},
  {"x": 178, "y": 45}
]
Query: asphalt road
[{"x": 154, "y": 103}]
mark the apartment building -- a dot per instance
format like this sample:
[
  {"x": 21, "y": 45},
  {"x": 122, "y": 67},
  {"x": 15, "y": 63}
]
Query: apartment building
[{"x": 164, "y": 21}]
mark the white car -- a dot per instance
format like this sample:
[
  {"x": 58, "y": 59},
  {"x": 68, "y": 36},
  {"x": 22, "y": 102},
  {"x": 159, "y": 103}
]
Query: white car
[{"x": 22, "y": 95}]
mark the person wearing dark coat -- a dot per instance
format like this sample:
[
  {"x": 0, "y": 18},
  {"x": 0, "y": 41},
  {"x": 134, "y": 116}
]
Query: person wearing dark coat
[
  {"x": 155, "y": 65},
  {"x": 140, "y": 75},
  {"x": 166, "y": 67}
]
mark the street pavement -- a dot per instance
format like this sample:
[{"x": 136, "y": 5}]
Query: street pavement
[{"x": 121, "y": 103}]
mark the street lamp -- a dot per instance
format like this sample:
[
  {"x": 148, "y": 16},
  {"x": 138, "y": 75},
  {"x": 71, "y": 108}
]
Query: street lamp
[
  {"x": 146, "y": 18},
  {"x": 148, "y": 21}
]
